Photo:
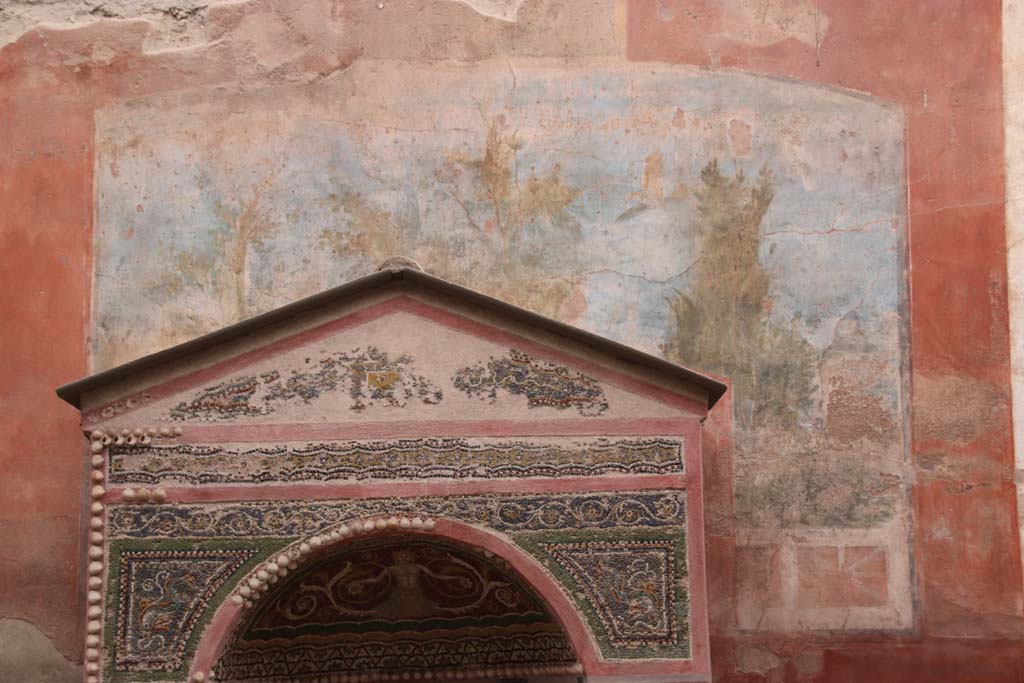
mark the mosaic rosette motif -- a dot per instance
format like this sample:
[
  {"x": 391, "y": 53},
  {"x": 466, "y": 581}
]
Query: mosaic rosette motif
[
  {"x": 395, "y": 604},
  {"x": 544, "y": 384},
  {"x": 371, "y": 378},
  {"x": 501, "y": 512},
  {"x": 162, "y": 596},
  {"x": 423, "y": 458}
]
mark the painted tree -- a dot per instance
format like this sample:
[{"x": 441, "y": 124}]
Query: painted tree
[{"x": 723, "y": 323}]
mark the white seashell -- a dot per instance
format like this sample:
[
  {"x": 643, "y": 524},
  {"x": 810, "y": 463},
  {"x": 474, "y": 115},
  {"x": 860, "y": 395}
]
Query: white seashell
[
  {"x": 96, "y": 523},
  {"x": 380, "y": 524},
  {"x": 303, "y": 548},
  {"x": 95, "y": 537},
  {"x": 95, "y": 552},
  {"x": 272, "y": 567},
  {"x": 94, "y": 597},
  {"x": 94, "y": 612},
  {"x": 128, "y": 495},
  {"x": 92, "y": 655},
  {"x": 92, "y": 668},
  {"x": 237, "y": 599},
  {"x": 164, "y": 431},
  {"x": 97, "y": 434},
  {"x": 96, "y": 447},
  {"x": 95, "y": 568},
  {"x": 98, "y": 476},
  {"x": 97, "y": 461},
  {"x": 95, "y": 583},
  {"x": 343, "y": 530},
  {"x": 254, "y": 583},
  {"x": 159, "y": 495},
  {"x": 429, "y": 524},
  {"x": 96, "y": 508},
  {"x": 93, "y": 626},
  {"x": 262, "y": 575},
  {"x": 245, "y": 591},
  {"x": 98, "y": 492},
  {"x": 417, "y": 523},
  {"x": 92, "y": 640},
  {"x": 142, "y": 495},
  {"x": 405, "y": 523},
  {"x": 198, "y": 677},
  {"x": 392, "y": 523}
]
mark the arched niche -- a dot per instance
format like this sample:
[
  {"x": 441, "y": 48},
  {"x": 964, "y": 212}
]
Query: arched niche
[{"x": 396, "y": 598}]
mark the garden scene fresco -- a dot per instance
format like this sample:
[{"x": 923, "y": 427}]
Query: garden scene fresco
[{"x": 745, "y": 226}]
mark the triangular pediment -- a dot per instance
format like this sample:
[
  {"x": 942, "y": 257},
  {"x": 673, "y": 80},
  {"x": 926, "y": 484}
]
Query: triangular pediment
[{"x": 402, "y": 358}]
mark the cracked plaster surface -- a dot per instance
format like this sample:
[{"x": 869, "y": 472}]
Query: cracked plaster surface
[{"x": 175, "y": 23}]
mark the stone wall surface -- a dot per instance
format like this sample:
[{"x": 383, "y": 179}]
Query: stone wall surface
[{"x": 804, "y": 197}]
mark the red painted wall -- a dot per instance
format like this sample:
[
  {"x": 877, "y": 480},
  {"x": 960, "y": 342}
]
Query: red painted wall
[{"x": 939, "y": 60}]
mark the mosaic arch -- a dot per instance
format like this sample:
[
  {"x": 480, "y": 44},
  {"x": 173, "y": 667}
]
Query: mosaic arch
[{"x": 392, "y": 598}]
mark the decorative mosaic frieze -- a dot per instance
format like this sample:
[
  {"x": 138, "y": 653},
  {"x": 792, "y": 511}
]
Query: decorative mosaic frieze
[
  {"x": 421, "y": 458},
  {"x": 161, "y": 596},
  {"x": 507, "y": 512},
  {"x": 435, "y": 654},
  {"x": 370, "y": 377},
  {"x": 544, "y": 384}
]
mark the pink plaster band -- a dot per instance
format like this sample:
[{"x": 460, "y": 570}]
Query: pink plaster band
[
  {"x": 406, "y": 489},
  {"x": 407, "y": 304},
  {"x": 270, "y": 433}
]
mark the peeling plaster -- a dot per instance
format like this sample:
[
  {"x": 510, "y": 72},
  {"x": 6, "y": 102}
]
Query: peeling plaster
[
  {"x": 176, "y": 23},
  {"x": 506, "y": 10}
]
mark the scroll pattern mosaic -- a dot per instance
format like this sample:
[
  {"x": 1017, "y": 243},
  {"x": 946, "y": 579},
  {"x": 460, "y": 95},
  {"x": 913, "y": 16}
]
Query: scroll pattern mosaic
[
  {"x": 163, "y": 593},
  {"x": 371, "y": 378},
  {"x": 421, "y": 458},
  {"x": 631, "y": 584},
  {"x": 427, "y": 605},
  {"x": 509, "y": 513},
  {"x": 544, "y": 384}
]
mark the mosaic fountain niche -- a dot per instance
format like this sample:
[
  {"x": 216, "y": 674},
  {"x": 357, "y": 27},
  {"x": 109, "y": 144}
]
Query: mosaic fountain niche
[{"x": 398, "y": 479}]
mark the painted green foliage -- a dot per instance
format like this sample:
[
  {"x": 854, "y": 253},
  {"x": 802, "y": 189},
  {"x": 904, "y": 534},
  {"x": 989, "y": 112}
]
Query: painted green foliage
[
  {"x": 722, "y": 323},
  {"x": 513, "y": 216}
]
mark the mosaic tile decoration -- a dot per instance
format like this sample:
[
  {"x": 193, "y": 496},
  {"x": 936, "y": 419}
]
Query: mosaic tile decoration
[
  {"x": 631, "y": 585},
  {"x": 398, "y": 605},
  {"x": 310, "y": 663},
  {"x": 162, "y": 595},
  {"x": 544, "y": 384},
  {"x": 371, "y": 378},
  {"x": 421, "y": 458},
  {"x": 502, "y": 512}
]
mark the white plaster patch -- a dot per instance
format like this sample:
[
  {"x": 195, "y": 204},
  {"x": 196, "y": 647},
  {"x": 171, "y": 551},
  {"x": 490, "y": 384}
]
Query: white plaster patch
[{"x": 506, "y": 10}]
